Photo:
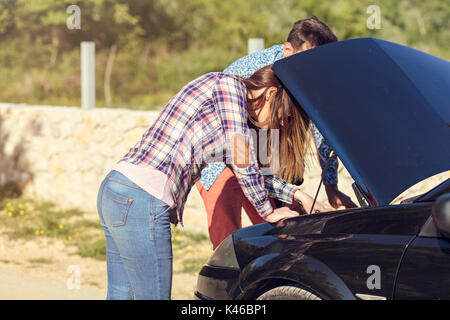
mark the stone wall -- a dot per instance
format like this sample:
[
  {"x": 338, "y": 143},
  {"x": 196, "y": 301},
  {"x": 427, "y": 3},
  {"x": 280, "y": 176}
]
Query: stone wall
[{"x": 61, "y": 154}]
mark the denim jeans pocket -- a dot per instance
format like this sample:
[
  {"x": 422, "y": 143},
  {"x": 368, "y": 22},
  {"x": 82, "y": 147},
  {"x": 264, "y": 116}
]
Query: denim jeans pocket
[
  {"x": 115, "y": 207},
  {"x": 159, "y": 215},
  {"x": 159, "y": 219}
]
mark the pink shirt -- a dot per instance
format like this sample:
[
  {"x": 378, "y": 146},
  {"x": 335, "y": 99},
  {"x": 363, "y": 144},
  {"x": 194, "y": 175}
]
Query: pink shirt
[{"x": 149, "y": 179}]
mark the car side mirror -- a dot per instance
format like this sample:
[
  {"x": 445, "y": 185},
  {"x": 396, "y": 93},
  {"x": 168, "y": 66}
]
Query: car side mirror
[{"x": 441, "y": 214}]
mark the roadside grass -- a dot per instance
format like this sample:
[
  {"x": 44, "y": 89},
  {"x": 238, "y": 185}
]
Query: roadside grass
[
  {"x": 22, "y": 218},
  {"x": 29, "y": 220},
  {"x": 40, "y": 261},
  {"x": 191, "y": 250}
]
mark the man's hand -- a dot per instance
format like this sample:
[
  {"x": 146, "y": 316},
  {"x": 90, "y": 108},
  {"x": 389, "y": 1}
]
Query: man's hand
[
  {"x": 337, "y": 198},
  {"x": 307, "y": 201},
  {"x": 281, "y": 213}
]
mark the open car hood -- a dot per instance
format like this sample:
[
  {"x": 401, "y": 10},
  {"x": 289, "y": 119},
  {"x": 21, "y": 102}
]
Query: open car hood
[{"x": 383, "y": 107}]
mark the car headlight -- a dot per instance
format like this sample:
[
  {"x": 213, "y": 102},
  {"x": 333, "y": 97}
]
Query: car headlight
[{"x": 224, "y": 255}]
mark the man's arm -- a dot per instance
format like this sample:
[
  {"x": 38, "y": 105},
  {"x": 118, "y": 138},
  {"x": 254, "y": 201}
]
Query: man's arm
[
  {"x": 330, "y": 177},
  {"x": 324, "y": 150},
  {"x": 246, "y": 66}
]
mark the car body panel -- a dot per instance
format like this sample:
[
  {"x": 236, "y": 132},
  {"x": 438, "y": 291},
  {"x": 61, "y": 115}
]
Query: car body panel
[
  {"x": 375, "y": 102},
  {"x": 218, "y": 283},
  {"x": 424, "y": 272},
  {"x": 347, "y": 242},
  {"x": 306, "y": 271}
]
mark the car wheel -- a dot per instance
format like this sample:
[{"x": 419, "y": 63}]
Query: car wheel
[{"x": 288, "y": 293}]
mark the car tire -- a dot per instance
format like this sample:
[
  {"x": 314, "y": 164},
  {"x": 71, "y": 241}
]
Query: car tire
[{"x": 288, "y": 293}]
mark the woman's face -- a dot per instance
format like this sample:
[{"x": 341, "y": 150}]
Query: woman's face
[
  {"x": 264, "y": 113},
  {"x": 280, "y": 116}
]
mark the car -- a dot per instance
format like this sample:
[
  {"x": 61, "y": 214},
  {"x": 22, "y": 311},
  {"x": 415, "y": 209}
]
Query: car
[{"x": 385, "y": 109}]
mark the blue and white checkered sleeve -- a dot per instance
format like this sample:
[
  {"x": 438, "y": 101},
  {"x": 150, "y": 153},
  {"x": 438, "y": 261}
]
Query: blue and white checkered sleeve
[
  {"x": 324, "y": 150},
  {"x": 246, "y": 66}
]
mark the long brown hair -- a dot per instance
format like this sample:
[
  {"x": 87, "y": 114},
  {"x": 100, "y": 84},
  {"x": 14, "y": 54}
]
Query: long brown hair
[{"x": 293, "y": 134}]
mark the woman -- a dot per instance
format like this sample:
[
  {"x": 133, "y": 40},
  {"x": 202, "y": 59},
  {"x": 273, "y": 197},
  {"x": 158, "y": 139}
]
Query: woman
[{"x": 207, "y": 118}]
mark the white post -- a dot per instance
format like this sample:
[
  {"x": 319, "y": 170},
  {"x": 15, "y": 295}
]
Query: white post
[
  {"x": 255, "y": 44},
  {"x": 87, "y": 75}
]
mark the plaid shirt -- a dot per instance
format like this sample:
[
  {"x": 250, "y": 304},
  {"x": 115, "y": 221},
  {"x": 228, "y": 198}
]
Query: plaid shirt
[{"x": 200, "y": 122}]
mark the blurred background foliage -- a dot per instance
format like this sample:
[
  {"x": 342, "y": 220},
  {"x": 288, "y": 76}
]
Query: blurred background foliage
[{"x": 154, "y": 47}]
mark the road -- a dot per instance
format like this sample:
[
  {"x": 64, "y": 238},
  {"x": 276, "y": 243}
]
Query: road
[{"x": 15, "y": 285}]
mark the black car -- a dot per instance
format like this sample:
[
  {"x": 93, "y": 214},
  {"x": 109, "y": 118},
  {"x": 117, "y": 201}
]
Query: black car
[{"x": 385, "y": 109}]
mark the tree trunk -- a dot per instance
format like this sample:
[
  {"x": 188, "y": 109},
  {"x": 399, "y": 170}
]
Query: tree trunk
[
  {"x": 421, "y": 23},
  {"x": 145, "y": 53},
  {"x": 108, "y": 72},
  {"x": 55, "y": 47}
]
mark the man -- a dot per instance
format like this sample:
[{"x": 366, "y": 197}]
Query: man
[{"x": 219, "y": 188}]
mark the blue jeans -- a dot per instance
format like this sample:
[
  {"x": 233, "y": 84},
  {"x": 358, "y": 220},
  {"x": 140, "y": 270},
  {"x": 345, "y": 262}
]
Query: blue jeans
[{"x": 138, "y": 240}]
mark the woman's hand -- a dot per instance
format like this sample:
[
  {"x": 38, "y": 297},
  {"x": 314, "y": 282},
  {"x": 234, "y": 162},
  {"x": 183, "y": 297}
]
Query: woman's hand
[
  {"x": 306, "y": 201},
  {"x": 280, "y": 213}
]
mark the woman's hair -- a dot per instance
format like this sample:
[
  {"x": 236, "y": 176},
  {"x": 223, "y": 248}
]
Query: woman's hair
[{"x": 293, "y": 135}]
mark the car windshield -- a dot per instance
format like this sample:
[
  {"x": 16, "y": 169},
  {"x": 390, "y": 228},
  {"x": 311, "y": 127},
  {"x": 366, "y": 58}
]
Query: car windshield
[{"x": 422, "y": 187}]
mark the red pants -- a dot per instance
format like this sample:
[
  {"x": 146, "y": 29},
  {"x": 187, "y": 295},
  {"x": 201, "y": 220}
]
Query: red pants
[{"x": 223, "y": 204}]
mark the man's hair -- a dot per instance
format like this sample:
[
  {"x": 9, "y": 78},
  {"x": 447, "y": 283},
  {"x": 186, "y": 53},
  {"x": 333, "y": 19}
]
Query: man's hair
[{"x": 310, "y": 30}]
